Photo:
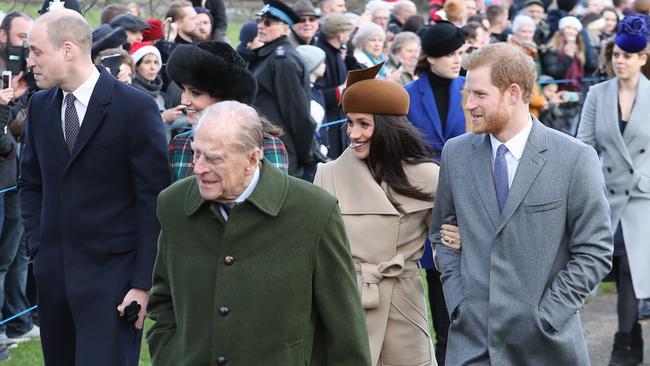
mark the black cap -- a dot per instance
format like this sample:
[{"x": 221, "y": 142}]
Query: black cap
[
  {"x": 104, "y": 38},
  {"x": 129, "y": 22},
  {"x": 536, "y": 2},
  {"x": 442, "y": 39},
  {"x": 276, "y": 9}
]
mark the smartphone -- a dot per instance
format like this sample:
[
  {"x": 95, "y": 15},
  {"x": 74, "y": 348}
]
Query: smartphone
[
  {"x": 112, "y": 63},
  {"x": 6, "y": 79},
  {"x": 571, "y": 96}
]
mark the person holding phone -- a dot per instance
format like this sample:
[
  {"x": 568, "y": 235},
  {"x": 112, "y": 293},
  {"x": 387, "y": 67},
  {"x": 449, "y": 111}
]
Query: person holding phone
[
  {"x": 614, "y": 122},
  {"x": 148, "y": 62},
  {"x": 210, "y": 72},
  {"x": 118, "y": 61},
  {"x": 567, "y": 57}
]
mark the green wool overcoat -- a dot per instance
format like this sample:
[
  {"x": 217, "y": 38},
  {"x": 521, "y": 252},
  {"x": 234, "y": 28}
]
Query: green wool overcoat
[{"x": 272, "y": 286}]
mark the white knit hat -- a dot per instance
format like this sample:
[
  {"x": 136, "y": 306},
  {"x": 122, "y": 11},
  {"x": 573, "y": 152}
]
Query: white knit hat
[
  {"x": 312, "y": 57},
  {"x": 570, "y": 21}
]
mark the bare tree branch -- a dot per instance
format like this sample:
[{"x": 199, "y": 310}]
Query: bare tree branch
[{"x": 90, "y": 6}]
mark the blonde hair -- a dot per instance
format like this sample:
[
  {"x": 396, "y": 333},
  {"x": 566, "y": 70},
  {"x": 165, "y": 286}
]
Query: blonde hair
[
  {"x": 67, "y": 26},
  {"x": 454, "y": 10},
  {"x": 508, "y": 65},
  {"x": 558, "y": 41}
]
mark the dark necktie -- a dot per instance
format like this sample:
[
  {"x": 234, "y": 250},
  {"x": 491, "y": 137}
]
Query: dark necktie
[
  {"x": 226, "y": 208},
  {"x": 501, "y": 176},
  {"x": 71, "y": 122}
]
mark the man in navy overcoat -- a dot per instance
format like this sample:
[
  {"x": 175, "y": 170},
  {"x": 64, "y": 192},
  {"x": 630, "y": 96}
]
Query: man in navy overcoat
[{"x": 93, "y": 164}]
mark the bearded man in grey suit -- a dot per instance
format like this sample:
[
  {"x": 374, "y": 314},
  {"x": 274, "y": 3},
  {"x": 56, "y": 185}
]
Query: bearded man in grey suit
[{"x": 533, "y": 216}]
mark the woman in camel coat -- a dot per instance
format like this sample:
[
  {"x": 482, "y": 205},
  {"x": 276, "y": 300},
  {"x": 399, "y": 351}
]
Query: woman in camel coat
[{"x": 385, "y": 183}]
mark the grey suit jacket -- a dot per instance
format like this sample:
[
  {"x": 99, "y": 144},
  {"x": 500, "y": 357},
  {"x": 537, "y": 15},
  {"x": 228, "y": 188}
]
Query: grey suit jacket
[
  {"x": 625, "y": 162},
  {"x": 522, "y": 275}
]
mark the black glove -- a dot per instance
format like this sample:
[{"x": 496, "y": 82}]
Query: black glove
[{"x": 131, "y": 312}]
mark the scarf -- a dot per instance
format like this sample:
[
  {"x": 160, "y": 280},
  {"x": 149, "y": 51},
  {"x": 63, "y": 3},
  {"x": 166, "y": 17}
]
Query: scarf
[{"x": 150, "y": 87}]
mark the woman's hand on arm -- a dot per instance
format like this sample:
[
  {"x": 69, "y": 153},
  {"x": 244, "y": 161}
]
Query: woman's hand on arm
[{"x": 450, "y": 236}]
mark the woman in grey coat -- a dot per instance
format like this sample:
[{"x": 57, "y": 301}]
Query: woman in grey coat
[{"x": 613, "y": 121}]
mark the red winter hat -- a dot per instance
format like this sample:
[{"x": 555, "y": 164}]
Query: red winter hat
[
  {"x": 155, "y": 31},
  {"x": 141, "y": 49}
]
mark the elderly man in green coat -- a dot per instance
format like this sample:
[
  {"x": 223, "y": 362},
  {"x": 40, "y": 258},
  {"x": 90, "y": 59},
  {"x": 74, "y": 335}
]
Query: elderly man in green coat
[{"x": 253, "y": 266}]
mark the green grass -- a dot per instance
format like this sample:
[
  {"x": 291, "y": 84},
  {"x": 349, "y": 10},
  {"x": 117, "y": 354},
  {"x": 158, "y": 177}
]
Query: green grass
[
  {"x": 30, "y": 354},
  {"x": 92, "y": 16}
]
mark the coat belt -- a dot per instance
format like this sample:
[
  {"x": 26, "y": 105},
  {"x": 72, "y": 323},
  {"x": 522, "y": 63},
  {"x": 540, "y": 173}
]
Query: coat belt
[{"x": 372, "y": 274}]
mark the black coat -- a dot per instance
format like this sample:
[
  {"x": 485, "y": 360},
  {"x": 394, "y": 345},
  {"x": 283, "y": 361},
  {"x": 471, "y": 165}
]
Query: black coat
[
  {"x": 90, "y": 218},
  {"x": 8, "y": 164},
  {"x": 283, "y": 98},
  {"x": 335, "y": 74}
]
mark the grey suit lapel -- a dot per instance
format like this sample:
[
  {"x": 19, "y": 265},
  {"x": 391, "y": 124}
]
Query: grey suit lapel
[
  {"x": 612, "y": 119},
  {"x": 530, "y": 164},
  {"x": 638, "y": 116},
  {"x": 481, "y": 167}
]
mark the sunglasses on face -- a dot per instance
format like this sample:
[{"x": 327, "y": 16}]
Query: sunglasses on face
[
  {"x": 267, "y": 21},
  {"x": 308, "y": 20}
]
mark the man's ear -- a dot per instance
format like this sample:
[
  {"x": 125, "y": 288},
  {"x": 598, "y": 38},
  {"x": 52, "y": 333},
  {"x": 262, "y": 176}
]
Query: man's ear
[
  {"x": 69, "y": 50},
  {"x": 514, "y": 94},
  {"x": 3, "y": 36},
  {"x": 254, "y": 158}
]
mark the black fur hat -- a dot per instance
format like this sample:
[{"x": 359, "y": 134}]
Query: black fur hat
[{"x": 215, "y": 68}]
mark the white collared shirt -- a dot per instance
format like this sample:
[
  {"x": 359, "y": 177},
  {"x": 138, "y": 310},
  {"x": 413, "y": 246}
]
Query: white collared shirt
[
  {"x": 82, "y": 98},
  {"x": 242, "y": 197},
  {"x": 515, "y": 148}
]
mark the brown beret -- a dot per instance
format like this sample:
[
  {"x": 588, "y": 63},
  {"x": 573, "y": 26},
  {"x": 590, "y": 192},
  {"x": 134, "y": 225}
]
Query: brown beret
[{"x": 365, "y": 94}]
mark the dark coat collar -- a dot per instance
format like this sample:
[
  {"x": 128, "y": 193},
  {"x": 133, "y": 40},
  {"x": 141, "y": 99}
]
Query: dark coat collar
[{"x": 269, "y": 48}]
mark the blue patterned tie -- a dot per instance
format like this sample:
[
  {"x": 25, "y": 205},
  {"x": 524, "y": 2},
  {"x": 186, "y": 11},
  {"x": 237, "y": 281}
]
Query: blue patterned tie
[
  {"x": 501, "y": 175},
  {"x": 71, "y": 122}
]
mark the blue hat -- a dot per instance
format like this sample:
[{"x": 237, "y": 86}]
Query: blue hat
[
  {"x": 632, "y": 33},
  {"x": 278, "y": 10}
]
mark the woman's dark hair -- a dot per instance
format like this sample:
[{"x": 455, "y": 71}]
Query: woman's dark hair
[
  {"x": 414, "y": 23},
  {"x": 611, "y": 10},
  {"x": 423, "y": 65},
  {"x": 394, "y": 141}
]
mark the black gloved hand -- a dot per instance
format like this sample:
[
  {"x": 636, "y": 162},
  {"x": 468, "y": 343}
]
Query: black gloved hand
[{"x": 131, "y": 312}]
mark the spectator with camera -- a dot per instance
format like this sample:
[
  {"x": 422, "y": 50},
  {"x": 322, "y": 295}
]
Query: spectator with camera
[{"x": 13, "y": 258}]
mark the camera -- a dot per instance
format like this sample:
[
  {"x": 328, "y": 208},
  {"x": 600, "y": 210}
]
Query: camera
[{"x": 17, "y": 58}]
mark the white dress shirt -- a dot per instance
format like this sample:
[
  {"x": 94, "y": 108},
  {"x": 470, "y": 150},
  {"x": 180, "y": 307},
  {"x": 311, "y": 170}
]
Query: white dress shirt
[
  {"x": 82, "y": 98},
  {"x": 242, "y": 197},
  {"x": 515, "y": 148}
]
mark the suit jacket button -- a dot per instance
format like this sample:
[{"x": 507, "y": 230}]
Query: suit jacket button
[
  {"x": 229, "y": 260},
  {"x": 627, "y": 193},
  {"x": 223, "y": 311},
  {"x": 642, "y": 151},
  {"x": 221, "y": 361},
  {"x": 612, "y": 191},
  {"x": 609, "y": 170},
  {"x": 631, "y": 171}
]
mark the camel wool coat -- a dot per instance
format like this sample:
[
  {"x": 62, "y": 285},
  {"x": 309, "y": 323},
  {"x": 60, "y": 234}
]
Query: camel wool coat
[{"x": 386, "y": 246}]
